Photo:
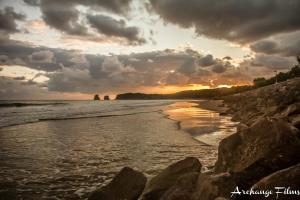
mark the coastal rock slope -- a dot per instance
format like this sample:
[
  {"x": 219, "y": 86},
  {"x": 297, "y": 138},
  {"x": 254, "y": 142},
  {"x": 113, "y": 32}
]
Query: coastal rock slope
[{"x": 277, "y": 100}]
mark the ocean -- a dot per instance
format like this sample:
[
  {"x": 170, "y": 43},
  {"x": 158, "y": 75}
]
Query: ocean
[{"x": 66, "y": 149}]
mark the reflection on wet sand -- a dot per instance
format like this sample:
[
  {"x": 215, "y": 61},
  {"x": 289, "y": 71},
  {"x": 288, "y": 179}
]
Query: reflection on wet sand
[{"x": 204, "y": 125}]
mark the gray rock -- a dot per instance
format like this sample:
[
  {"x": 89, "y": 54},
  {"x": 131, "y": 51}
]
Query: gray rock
[
  {"x": 159, "y": 184},
  {"x": 265, "y": 147},
  {"x": 127, "y": 184},
  {"x": 289, "y": 177}
]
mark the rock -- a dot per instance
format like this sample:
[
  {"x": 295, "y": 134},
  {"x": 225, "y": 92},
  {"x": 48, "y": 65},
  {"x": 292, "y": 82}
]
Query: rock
[
  {"x": 292, "y": 109},
  {"x": 127, "y": 184},
  {"x": 159, "y": 184},
  {"x": 96, "y": 97},
  {"x": 265, "y": 101},
  {"x": 106, "y": 97},
  {"x": 289, "y": 177},
  {"x": 216, "y": 186},
  {"x": 8, "y": 195},
  {"x": 265, "y": 147},
  {"x": 223, "y": 113},
  {"x": 183, "y": 187},
  {"x": 295, "y": 120}
]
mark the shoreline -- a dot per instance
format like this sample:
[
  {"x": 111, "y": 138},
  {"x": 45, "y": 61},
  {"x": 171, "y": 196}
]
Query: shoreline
[{"x": 213, "y": 105}]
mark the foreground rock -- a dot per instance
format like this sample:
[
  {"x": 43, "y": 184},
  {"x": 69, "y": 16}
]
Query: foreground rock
[
  {"x": 288, "y": 178},
  {"x": 265, "y": 147},
  {"x": 175, "y": 181},
  {"x": 183, "y": 187},
  {"x": 128, "y": 184},
  {"x": 214, "y": 186}
]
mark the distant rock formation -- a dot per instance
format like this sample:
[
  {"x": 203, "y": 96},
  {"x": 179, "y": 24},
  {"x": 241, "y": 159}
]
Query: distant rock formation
[
  {"x": 106, "y": 97},
  {"x": 96, "y": 97}
]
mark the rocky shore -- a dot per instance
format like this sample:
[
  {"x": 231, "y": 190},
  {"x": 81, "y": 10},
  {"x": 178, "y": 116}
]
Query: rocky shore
[{"x": 260, "y": 156}]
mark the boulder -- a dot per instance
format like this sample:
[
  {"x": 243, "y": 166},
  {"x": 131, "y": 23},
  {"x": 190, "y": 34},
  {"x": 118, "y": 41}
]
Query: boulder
[
  {"x": 127, "y": 184},
  {"x": 292, "y": 109},
  {"x": 295, "y": 120},
  {"x": 183, "y": 187},
  {"x": 159, "y": 184},
  {"x": 216, "y": 186},
  {"x": 266, "y": 146},
  {"x": 287, "y": 178},
  {"x": 106, "y": 97}
]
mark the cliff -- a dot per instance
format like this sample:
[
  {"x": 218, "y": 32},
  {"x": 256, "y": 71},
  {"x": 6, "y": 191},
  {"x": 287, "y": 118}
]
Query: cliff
[{"x": 261, "y": 154}]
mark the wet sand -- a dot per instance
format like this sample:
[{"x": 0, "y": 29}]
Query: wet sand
[{"x": 213, "y": 105}]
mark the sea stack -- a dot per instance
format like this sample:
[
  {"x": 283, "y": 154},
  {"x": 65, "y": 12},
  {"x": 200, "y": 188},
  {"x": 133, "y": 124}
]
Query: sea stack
[
  {"x": 106, "y": 97},
  {"x": 96, "y": 97}
]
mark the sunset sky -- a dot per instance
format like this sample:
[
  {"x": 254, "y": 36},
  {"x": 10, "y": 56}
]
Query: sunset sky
[{"x": 72, "y": 49}]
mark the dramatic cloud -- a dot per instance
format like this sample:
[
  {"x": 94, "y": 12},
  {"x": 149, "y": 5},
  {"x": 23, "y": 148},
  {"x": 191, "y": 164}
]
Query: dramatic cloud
[
  {"x": 234, "y": 20},
  {"x": 41, "y": 57},
  {"x": 285, "y": 45},
  {"x": 116, "y": 6},
  {"x": 111, "y": 27},
  {"x": 221, "y": 66},
  {"x": 77, "y": 72},
  {"x": 66, "y": 17},
  {"x": 207, "y": 60},
  {"x": 32, "y": 2},
  {"x": 8, "y": 19},
  {"x": 272, "y": 62},
  {"x": 63, "y": 16},
  {"x": 188, "y": 67}
]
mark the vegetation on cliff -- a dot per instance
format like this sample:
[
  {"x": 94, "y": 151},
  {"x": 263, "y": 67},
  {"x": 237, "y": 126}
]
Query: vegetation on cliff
[{"x": 280, "y": 77}]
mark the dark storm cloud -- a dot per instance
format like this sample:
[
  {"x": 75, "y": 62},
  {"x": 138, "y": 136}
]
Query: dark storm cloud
[
  {"x": 32, "y": 2},
  {"x": 63, "y": 16},
  {"x": 272, "y": 62},
  {"x": 8, "y": 19},
  {"x": 284, "y": 45},
  {"x": 265, "y": 46},
  {"x": 233, "y": 20},
  {"x": 207, "y": 60},
  {"x": 111, "y": 27}
]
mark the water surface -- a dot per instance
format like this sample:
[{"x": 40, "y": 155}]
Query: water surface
[{"x": 64, "y": 151}]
